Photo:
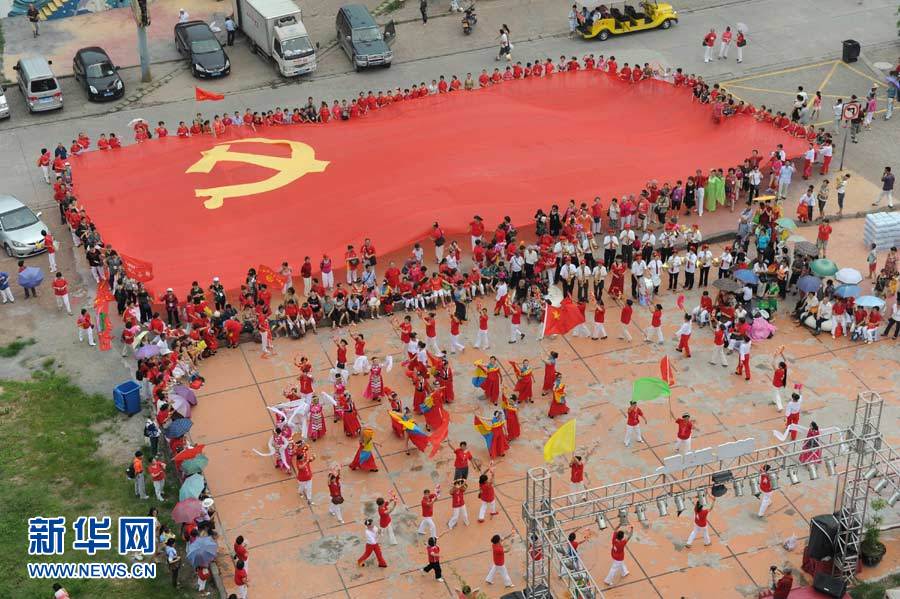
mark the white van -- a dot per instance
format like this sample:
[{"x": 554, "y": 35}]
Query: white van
[{"x": 38, "y": 84}]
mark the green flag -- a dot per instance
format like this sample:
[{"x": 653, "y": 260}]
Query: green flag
[{"x": 648, "y": 388}]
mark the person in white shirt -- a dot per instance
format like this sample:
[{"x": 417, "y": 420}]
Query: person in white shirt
[
  {"x": 824, "y": 314},
  {"x": 654, "y": 331},
  {"x": 808, "y": 200},
  {"x": 626, "y": 241},
  {"x": 725, "y": 261},
  {"x": 372, "y": 534},
  {"x": 705, "y": 259},
  {"x": 755, "y": 178},
  {"x": 567, "y": 274},
  {"x": 784, "y": 179},
  {"x": 684, "y": 337},
  {"x": 690, "y": 268},
  {"x": 598, "y": 276},
  {"x": 501, "y": 298},
  {"x": 674, "y": 264},
  {"x": 838, "y": 108},
  {"x": 638, "y": 266},
  {"x": 792, "y": 413},
  {"x": 655, "y": 267},
  {"x": 893, "y": 322},
  {"x": 583, "y": 282},
  {"x": 648, "y": 242}
]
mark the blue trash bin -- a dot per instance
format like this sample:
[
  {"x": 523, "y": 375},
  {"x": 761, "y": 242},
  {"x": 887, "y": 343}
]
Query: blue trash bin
[{"x": 127, "y": 397}]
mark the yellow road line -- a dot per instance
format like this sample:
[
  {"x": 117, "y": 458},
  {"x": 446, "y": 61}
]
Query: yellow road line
[
  {"x": 828, "y": 76},
  {"x": 861, "y": 74},
  {"x": 776, "y": 91},
  {"x": 780, "y": 72},
  {"x": 831, "y": 122}
]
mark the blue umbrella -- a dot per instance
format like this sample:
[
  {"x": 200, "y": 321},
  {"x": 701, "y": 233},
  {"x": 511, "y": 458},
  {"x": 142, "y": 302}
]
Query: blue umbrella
[
  {"x": 809, "y": 283},
  {"x": 870, "y": 301},
  {"x": 191, "y": 487},
  {"x": 848, "y": 291},
  {"x": 146, "y": 351},
  {"x": 746, "y": 276},
  {"x": 202, "y": 552},
  {"x": 32, "y": 276},
  {"x": 178, "y": 428}
]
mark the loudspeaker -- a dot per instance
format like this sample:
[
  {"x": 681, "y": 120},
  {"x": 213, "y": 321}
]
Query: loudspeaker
[
  {"x": 830, "y": 585},
  {"x": 823, "y": 533},
  {"x": 514, "y": 595}
]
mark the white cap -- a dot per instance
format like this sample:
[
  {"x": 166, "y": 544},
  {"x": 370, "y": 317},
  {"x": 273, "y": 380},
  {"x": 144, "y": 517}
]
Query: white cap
[{"x": 215, "y": 279}]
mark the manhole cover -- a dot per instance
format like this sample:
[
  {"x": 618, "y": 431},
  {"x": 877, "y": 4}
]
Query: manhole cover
[{"x": 883, "y": 66}]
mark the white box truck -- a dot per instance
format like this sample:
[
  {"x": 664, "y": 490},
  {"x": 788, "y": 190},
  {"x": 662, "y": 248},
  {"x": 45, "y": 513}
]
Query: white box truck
[{"x": 274, "y": 29}]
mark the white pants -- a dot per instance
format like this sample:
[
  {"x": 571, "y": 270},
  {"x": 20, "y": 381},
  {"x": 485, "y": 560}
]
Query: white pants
[
  {"x": 701, "y": 315},
  {"x": 765, "y": 502},
  {"x": 90, "y": 335},
  {"x": 433, "y": 343},
  {"x": 97, "y": 272},
  {"x": 704, "y": 530},
  {"x": 459, "y": 513},
  {"x": 617, "y": 567},
  {"x": 51, "y": 257},
  {"x": 428, "y": 523},
  {"x": 699, "y": 193},
  {"x": 625, "y": 334},
  {"x": 514, "y": 332},
  {"x": 581, "y": 331},
  {"x": 351, "y": 275},
  {"x": 577, "y": 488},
  {"x": 501, "y": 570},
  {"x": 740, "y": 53},
  {"x": 335, "y": 510},
  {"x": 723, "y": 49},
  {"x": 633, "y": 431},
  {"x": 439, "y": 253},
  {"x": 264, "y": 339},
  {"x": 304, "y": 487},
  {"x": 885, "y": 194},
  {"x": 75, "y": 241},
  {"x": 328, "y": 280},
  {"x": 242, "y": 591},
  {"x": 483, "y": 510},
  {"x": 158, "y": 488},
  {"x": 871, "y": 335},
  {"x": 201, "y": 584},
  {"x": 707, "y": 53},
  {"x": 139, "y": 488},
  {"x": 718, "y": 355},
  {"x": 62, "y": 301},
  {"x": 361, "y": 365},
  {"x": 304, "y": 324},
  {"x": 482, "y": 340},
  {"x": 778, "y": 403},
  {"x": 654, "y": 332},
  {"x": 389, "y": 533},
  {"x": 599, "y": 330},
  {"x": 455, "y": 345},
  {"x": 307, "y": 286},
  {"x": 7, "y": 296},
  {"x": 551, "y": 276},
  {"x": 683, "y": 446},
  {"x": 45, "y": 171}
]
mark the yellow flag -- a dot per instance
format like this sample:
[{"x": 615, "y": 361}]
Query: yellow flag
[{"x": 560, "y": 442}]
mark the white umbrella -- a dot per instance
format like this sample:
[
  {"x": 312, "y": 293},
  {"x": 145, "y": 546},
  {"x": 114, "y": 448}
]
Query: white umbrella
[
  {"x": 134, "y": 122},
  {"x": 795, "y": 238},
  {"x": 850, "y": 276},
  {"x": 742, "y": 27}
]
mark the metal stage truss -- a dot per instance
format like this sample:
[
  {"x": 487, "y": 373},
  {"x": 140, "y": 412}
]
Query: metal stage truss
[{"x": 857, "y": 455}]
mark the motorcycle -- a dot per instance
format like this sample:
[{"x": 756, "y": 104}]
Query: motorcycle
[{"x": 469, "y": 19}]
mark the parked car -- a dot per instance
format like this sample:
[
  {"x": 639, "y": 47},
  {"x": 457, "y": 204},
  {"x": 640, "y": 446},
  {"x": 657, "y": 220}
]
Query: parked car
[
  {"x": 20, "y": 228},
  {"x": 195, "y": 41},
  {"x": 38, "y": 84},
  {"x": 358, "y": 34},
  {"x": 611, "y": 20},
  {"x": 4, "y": 105},
  {"x": 94, "y": 70}
]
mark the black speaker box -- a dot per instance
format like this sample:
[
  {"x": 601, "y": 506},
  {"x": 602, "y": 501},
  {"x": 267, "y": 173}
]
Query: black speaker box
[
  {"x": 830, "y": 585},
  {"x": 823, "y": 533}
]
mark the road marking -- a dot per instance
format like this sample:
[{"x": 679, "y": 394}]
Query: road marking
[
  {"x": 780, "y": 72},
  {"x": 866, "y": 75},
  {"x": 831, "y": 122},
  {"x": 774, "y": 91},
  {"x": 828, "y": 76}
]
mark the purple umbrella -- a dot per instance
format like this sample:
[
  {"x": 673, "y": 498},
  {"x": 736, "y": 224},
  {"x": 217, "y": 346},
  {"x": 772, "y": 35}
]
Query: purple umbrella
[
  {"x": 187, "y": 510},
  {"x": 146, "y": 351},
  {"x": 187, "y": 393},
  {"x": 31, "y": 277},
  {"x": 180, "y": 405}
]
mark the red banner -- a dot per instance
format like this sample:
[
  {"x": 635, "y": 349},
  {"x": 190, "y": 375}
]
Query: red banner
[
  {"x": 139, "y": 270},
  {"x": 266, "y": 275},
  {"x": 666, "y": 372},
  {"x": 559, "y": 321}
]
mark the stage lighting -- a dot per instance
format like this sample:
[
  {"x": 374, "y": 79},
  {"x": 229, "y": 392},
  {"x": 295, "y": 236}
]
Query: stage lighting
[
  {"x": 662, "y": 507},
  {"x": 792, "y": 476},
  {"x": 870, "y": 473},
  {"x": 623, "y": 516},
  {"x": 641, "y": 513},
  {"x": 893, "y": 498},
  {"x": 830, "y": 467},
  {"x": 754, "y": 485},
  {"x": 679, "y": 503},
  {"x": 701, "y": 493},
  {"x": 880, "y": 485},
  {"x": 601, "y": 521},
  {"x": 738, "y": 486},
  {"x": 812, "y": 471},
  {"x": 773, "y": 478}
]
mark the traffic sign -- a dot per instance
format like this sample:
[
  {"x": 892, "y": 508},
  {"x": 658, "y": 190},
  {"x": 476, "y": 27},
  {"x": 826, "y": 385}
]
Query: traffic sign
[{"x": 851, "y": 111}]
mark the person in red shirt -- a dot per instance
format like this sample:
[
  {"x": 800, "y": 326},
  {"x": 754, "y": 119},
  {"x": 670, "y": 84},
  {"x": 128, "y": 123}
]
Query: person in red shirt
[
  {"x": 241, "y": 580},
  {"x": 334, "y": 494},
  {"x": 482, "y": 339},
  {"x": 428, "y": 499},
  {"x": 486, "y": 494},
  {"x": 434, "y": 559},
  {"x": 765, "y": 490},
  {"x": 625, "y": 319},
  {"x": 241, "y": 553},
  {"x": 823, "y": 236},
  {"x": 385, "y": 522},
  {"x": 44, "y": 163},
  {"x": 498, "y": 562},
  {"x": 114, "y": 143},
  {"x": 619, "y": 540},
  {"x": 683, "y": 436},
  {"x": 779, "y": 381},
  {"x": 75, "y": 148},
  {"x": 484, "y": 79},
  {"x": 701, "y": 512},
  {"x": 709, "y": 40},
  {"x": 633, "y": 423},
  {"x": 461, "y": 459},
  {"x": 303, "y": 468},
  {"x": 786, "y": 582},
  {"x": 654, "y": 331},
  {"x": 458, "y": 503},
  {"x": 625, "y": 73},
  {"x": 161, "y": 130},
  {"x": 576, "y": 476},
  {"x": 157, "y": 471},
  {"x": 85, "y": 326}
]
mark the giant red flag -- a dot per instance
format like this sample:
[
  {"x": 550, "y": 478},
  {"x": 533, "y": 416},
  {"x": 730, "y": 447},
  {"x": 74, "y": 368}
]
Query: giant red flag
[{"x": 561, "y": 320}]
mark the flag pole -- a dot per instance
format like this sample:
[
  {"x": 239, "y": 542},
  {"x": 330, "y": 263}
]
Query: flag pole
[{"x": 546, "y": 314}]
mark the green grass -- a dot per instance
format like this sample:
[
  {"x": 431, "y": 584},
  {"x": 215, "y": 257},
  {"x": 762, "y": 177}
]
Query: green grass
[
  {"x": 49, "y": 467},
  {"x": 875, "y": 589},
  {"x": 13, "y": 349}
]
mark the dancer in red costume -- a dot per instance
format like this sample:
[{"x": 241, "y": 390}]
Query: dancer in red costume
[
  {"x": 511, "y": 411},
  {"x": 525, "y": 382},
  {"x": 549, "y": 374},
  {"x": 558, "y": 404},
  {"x": 365, "y": 453},
  {"x": 492, "y": 381}
]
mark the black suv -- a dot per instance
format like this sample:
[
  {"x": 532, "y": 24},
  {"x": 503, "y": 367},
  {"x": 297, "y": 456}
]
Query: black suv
[
  {"x": 195, "y": 41},
  {"x": 359, "y": 36}
]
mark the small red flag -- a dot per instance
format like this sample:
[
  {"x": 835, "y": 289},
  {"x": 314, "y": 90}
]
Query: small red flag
[
  {"x": 270, "y": 277},
  {"x": 201, "y": 94},
  {"x": 139, "y": 270},
  {"x": 561, "y": 320},
  {"x": 439, "y": 434},
  {"x": 666, "y": 372}
]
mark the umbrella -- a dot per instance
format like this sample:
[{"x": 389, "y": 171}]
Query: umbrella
[
  {"x": 746, "y": 276},
  {"x": 870, "y": 301},
  {"x": 187, "y": 510},
  {"x": 195, "y": 465},
  {"x": 786, "y": 223},
  {"x": 806, "y": 248},
  {"x": 180, "y": 405},
  {"x": 793, "y": 238},
  {"x": 190, "y": 452},
  {"x": 893, "y": 81},
  {"x": 201, "y": 552},
  {"x": 848, "y": 291},
  {"x": 192, "y": 487},
  {"x": 178, "y": 428},
  {"x": 742, "y": 27},
  {"x": 187, "y": 393},
  {"x": 729, "y": 285},
  {"x": 763, "y": 198},
  {"x": 138, "y": 338},
  {"x": 823, "y": 267},
  {"x": 134, "y": 122},
  {"x": 146, "y": 351},
  {"x": 850, "y": 276},
  {"x": 809, "y": 283},
  {"x": 31, "y": 276}
]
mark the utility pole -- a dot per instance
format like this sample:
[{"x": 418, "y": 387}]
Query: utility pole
[{"x": 141, "y": 13}]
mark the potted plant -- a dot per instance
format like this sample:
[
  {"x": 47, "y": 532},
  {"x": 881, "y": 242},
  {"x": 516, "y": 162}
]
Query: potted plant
[{"x": 872, "y": 550}]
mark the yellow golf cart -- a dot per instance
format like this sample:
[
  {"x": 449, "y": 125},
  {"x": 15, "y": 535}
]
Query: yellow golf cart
[{"x": 616, "y": 19}]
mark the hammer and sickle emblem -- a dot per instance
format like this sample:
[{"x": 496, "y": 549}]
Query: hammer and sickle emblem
[{"x": 301, "y": 161}]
